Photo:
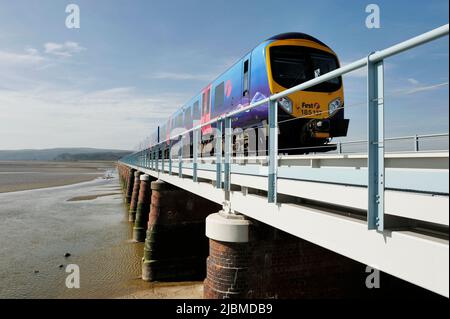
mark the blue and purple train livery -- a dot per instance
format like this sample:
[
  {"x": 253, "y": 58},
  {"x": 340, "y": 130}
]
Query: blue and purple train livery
[{"x": 306, "y": 118}]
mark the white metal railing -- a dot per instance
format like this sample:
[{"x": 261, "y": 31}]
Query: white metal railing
[{"x": 150, "y": 157}]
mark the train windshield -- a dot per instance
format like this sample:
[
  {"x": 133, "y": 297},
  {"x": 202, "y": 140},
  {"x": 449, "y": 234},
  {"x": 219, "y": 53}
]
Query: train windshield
[{"x": 293, "y": 65}]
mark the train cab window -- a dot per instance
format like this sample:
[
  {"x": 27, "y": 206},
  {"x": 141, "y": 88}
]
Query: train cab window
[
  {"x": 219, "y": 95},
  {"x": 323, "y": 63},
  {"x": 293, "y": 65},
  {"x": 246, "y": 79}
]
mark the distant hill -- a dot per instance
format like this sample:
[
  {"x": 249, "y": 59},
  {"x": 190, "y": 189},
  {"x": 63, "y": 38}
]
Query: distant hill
[
  {"x": 62, "y": 154},
  {"x": 100, "y": 156}
]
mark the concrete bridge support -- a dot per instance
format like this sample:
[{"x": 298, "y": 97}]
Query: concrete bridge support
[
  {"x": 143, "y": 208},
  {"x": 175, "y": 244},
  {"x": 134, "y": 196},
  {"x": 248, "y": 259},
  {"x": 227, "y": 265}
]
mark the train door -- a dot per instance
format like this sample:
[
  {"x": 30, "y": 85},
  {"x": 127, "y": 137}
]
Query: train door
[{"x": 206, "y": 110}]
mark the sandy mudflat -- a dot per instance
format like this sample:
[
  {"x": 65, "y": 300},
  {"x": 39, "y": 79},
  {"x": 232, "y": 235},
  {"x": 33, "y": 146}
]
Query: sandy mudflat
[
  {"x": 94, "y": 229},
  {"x": 90, "y": 197},
  {"x": 21, "y": 175},
  {"x": 176, "y": 290}
]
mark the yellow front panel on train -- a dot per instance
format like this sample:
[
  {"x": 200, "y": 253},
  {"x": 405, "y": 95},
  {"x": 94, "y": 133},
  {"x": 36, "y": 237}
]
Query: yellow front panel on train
[{"x": 305, "y": 104}]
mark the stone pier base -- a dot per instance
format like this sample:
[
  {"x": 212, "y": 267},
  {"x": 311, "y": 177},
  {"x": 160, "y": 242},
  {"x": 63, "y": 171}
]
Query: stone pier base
[
  {"x": 175, "y": 244},
  {"x": 269, "y": 263},
  {"x": 143, "y": 209},
  {"x": 123, "y": 176},
  {"x": 134, "y": 196},
  {"x": 129, "y": 185}
]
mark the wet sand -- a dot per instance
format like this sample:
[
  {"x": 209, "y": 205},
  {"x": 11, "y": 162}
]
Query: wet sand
[
  {"x": 183, "y": 290},
  {"x": 21, "y": 175},
  {"x": 90, "y": 197},
  {"x": 39, "y": 226}
]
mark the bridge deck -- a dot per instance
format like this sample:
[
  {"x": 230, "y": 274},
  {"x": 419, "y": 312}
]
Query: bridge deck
[{"x": 326, "y": 201}]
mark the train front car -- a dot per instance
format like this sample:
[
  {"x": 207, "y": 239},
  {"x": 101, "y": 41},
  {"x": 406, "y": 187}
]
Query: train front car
[{"x": 308, "y": 119}]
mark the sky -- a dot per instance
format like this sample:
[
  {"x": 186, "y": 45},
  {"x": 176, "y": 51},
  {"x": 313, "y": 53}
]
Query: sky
[{"x": 132, "y": 63}]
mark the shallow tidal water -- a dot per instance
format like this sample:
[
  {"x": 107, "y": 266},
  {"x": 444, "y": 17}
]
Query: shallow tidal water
[{"x": 37, "y": 227}]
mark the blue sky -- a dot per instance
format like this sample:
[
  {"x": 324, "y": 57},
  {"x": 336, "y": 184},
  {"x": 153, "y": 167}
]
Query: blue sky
[{"x": 132, "y": 63}]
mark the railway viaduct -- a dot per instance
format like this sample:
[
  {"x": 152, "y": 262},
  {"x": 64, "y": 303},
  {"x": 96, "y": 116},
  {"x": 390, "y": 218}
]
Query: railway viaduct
[{"x": 293, "y": 226}]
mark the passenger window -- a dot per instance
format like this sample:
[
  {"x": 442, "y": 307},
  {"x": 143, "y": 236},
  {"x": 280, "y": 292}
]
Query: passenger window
[
  {"x": 206, "y": 102},
  {"x": 179, "y": 120},
  {"x": 245, "y": 86},
  {"x": 196, "y": 111},
  {"x": 219, "y": 97},
  {"x": 188, "y": 117}
]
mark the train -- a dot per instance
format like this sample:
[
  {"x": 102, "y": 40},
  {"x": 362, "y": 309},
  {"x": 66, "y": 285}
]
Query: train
[{"x": 307, "y": 120}]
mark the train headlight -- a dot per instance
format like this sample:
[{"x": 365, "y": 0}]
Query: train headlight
[
  {"x": 286, "y": 104},
  {"x": 333, "y": 106}
]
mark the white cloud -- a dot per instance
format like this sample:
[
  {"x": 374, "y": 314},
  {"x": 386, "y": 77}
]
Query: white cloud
[
  {"x": 29, "y": 58},
  {"x": 427, "y": 88},
  {"x": 413, "y": 81},
  {"x": 49, "y": 116},
  {"x": 32, "y": 51},
  {"x": 32, "y": 57},
  {"x": 181, "y": 76},
  {"x": 66, "y": 49},
  {"x": 418, "y": 89}
]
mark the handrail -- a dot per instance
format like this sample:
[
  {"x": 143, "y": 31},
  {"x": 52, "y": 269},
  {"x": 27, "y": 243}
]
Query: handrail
[{"x": 375, "y": 143}]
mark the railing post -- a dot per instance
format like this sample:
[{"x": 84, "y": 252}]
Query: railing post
[
  {"x": 170, "y": 157},
  {"x": 375, "y": 165},
  {"x": 273, "y": 152},
  {"x": 195, "y": 145},
  {"x": 154, "y": 158},
  {"x": 219, "y": 154},
  {"x": 180, "y": 157},
  {"x": 144, "y": 158},
  {"x": 150, "y": 153},
  {"x": 228, "y": 150},
  {"x": 157, "y": 157},
  {"x": 163, "y": 156}
]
